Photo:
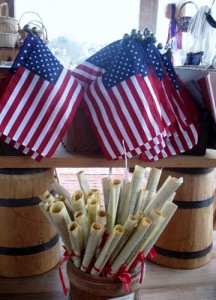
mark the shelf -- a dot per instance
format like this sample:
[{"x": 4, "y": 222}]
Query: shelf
[{"x": 63, "y": 159}]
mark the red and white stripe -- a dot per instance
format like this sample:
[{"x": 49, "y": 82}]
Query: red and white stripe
[
  {"x": 36, "y": 113},
  {"x": 87, "y": 72},
  {"x": 127, "y": 112}
]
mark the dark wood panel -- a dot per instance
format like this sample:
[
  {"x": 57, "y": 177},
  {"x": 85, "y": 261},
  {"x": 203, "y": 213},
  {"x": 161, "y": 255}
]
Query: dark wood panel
[{"x": 10, "y": 6}]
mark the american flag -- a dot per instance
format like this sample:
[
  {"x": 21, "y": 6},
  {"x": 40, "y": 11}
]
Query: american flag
[
  {"x": 96, "y": 65},
  {"x": 136, "y": 102},
  {"x": 39, "y": 102}
]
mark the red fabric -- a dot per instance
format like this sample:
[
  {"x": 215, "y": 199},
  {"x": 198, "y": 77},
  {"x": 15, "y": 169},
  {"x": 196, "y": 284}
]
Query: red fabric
[
  {"x": 124, "y": 277},
  {"x": 140, "y": 258},
  {"x": 65, "y": 257},
  {"x": 152, "y": 253}
]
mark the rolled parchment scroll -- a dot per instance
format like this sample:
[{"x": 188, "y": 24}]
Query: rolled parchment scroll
[
  {"x": 76, "y": 239},
  {"x": 136, "y": 183},
  {"x": 47, "y": 197},
  {"x": 115, "y": 186},
  {"x": 107, "y": 250},
  {"x": 61, "y": 218},
  {"x": 129, "y": 226},
  {"x": 169, "y": 186},
  {"x": 83, "y": 182},
  {"x": 83, "y": 220},
  {"x": 131, "y": 244},
  {"x": 152, "y": 183},
  {"x": 93, "y": 243},
  {"x": 78, "y": 202},
  {"x": 92, "y": 208}
]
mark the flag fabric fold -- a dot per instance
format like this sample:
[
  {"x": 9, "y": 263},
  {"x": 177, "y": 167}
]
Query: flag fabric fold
[{"x": 39, "y": 102}]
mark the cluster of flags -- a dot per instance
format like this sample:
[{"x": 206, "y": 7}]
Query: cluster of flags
[
  {"x": 136, "y": 103},
  {"x": 133, "y": 98}
]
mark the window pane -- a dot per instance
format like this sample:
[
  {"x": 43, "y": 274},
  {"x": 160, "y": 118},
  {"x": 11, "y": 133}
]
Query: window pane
[{"x": 84, "y": 25}]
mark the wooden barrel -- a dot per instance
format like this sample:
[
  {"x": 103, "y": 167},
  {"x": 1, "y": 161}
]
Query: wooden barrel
[
  {"x": 89, "y": 287},
  {"x": 29, "y": 244},
  {"x": 186, "y": 242}
]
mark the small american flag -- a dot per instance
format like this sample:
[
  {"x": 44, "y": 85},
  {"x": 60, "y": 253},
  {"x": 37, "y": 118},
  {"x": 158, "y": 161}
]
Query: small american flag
[
  {"x": 96, "y": 65},
  {"x": 39, "y": 102},
  {"x": 135, "y": 103}
]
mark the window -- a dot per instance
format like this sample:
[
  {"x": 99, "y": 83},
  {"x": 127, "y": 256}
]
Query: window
[{"x": 78, "y": 28}]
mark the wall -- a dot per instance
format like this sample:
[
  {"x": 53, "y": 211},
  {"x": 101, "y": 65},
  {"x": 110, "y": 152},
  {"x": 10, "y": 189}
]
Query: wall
[{"x": 148, "y": 14}]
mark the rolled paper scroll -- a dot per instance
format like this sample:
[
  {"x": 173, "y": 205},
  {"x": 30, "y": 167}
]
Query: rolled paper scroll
[
  {"x": 93, "y": 193},
  {"x": 121, "y": 205},
  {"x": 129, "y": 226},
  {"x": 140, "y": 215},
  {"x": 83, "y": 221},
  {"x": 134, "y": 240},
  {"x": 168, "y": 211},
  {"x": 136, "y": 183},
  {"x": 101, "y": 218},
  {"x": 78, "y": 202},
  {"x": 115, "y": 186},
  {"x": 157, "y": 218},
  {"x": 93, "y": 243},
  {"x": 92, "y": 208},
  {"x": 141, "y": 200},
  {"x": 61, "y": 218},
  {"x": 152, "y": 183},
  {"x": 83, "y": 182},
  {"x": 106, "y": 191},
  {"x": 67, "y": 205},
  {"x": 45, "y": 207},
  {"x": 60, "y": 190},
  {"x": 96, "y": 194},
  {"x": 88, "y": 195},
  {"x": 169, "y": 186},
  {"x": 75, "y": 234},
  {"x": 47, "y": 197},
  {"x": 107, "y": 250}
]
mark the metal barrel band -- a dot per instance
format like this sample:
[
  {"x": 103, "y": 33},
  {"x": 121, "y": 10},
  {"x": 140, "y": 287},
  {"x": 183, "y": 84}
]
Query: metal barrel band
[
  {"x": 183, "y": 254},
  {"x": 194, "y": 204},
  {"x": 30, "y": 250},
  {"x": 12, "y": 203}
]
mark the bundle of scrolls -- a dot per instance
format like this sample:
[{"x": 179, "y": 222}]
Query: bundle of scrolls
[{"x": 105, "y": 233}]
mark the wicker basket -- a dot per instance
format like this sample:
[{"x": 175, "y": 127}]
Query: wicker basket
[
  {"x": 8, "y": 28},
  {"x": 8, "y": 25},
  {"x": 8, "y": 40},
  {"x": 38, "y": 23}
]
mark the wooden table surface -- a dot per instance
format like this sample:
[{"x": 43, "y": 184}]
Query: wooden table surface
[{"x": 160, "y": 283}]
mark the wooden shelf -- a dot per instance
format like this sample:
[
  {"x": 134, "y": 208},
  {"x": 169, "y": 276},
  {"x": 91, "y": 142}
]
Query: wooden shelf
[
  {"x": 159, "y": 283},
  {"x": 63, "y": 159}
]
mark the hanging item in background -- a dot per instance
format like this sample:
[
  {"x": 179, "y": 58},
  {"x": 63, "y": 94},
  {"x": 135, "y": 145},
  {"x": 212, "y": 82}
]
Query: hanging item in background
[
  {"x": 183, "y": 21},
  {"x": 38, "y": 102},
  {"x": 174, "y": 38},
  {"x": 209, "y": 17},
  {"x": 201, "y": 39},
  {"x": 34, "y": 26}
]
